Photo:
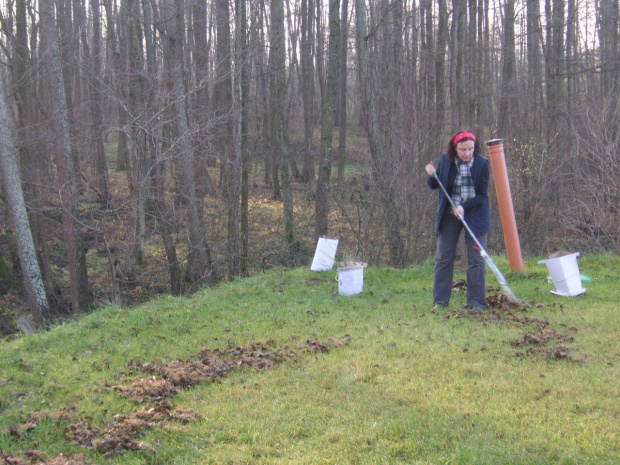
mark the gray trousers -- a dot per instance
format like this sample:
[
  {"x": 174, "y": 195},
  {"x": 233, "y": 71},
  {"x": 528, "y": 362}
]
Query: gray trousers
[{"x": 449, "y": 233}]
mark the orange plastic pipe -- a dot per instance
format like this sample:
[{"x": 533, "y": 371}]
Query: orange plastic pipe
[{"x": 504, "y": 200}]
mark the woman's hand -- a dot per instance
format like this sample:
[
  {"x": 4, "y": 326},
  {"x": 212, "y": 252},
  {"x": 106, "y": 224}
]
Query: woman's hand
[
  {"x": 459, "y": 212},
  {"x": 430, "y": 169}
]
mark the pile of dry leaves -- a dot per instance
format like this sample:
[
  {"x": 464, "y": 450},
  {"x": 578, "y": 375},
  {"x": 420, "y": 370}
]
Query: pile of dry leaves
[{"x": 157, "y": 389}]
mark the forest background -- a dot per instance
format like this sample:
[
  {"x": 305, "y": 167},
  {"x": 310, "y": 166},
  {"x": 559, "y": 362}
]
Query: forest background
[{"x": 158, "y": 146}]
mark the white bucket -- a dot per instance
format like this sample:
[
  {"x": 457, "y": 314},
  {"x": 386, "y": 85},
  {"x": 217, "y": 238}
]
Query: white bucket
[
  {"x": 324, "y": 254},
  {"x": 350, "y": 280},
  {"x": 565, "y": 275}
]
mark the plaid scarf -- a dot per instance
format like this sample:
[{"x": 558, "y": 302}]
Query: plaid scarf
[{"x": 463, "y": 189}]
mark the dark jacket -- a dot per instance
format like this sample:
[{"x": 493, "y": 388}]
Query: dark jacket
[{"x": 477, "y": 210}]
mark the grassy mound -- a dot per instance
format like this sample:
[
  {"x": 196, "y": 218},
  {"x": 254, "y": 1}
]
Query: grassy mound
[{"x": 279, "y": 368}]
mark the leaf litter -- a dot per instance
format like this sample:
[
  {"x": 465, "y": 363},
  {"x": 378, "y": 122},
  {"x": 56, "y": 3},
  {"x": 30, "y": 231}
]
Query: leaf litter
[
  {"x": 163, "y": 382},
  {"x": 541, "y": 340}
]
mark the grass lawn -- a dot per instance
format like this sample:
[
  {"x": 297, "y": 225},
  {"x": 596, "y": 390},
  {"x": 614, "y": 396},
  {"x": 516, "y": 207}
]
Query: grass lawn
[{"x": 280, "y": 369}]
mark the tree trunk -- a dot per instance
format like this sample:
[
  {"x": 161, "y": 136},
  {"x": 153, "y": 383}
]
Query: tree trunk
[
  {"x": 440, "y": 71},
  {"x": 534, "y": 66},
  {"x": 327, "y": 121},
  {"x": 19, "y": 217},
  {"x": 376, "y": 139},
  {"x": 307, "y": 92},
  {"x": 386, "y": 172},
  {"x": 320, "y": 47},
  {"x": 68, "y": 43},
  {"x": 24, "y": 89},
  {"x": 555, "y": 55},
  {"x": 80, "y": 294},
  {"x": 155, "y": 162},
  {"x": 163, "y": 222},
  {"x": 231, "y": 165},
  {"x": 610, "y": 47},
  {"x": 342, "y": 92},
  {"x": 137, "y": 105},
  {"x": 509, "y": 90},
  {"x": 457, "y": 59},
  {"x": 472, "y": 71},
  {"x": 200, "y": 266},
  {"x": 96, "y": 109},
  {"x": 242, "y": 89},
  {"x": 427, "y": 71},
  {"x": 280, "y": 125},
  {"x": 480, "y": 59},
  {"x": 202, "y": 107}
]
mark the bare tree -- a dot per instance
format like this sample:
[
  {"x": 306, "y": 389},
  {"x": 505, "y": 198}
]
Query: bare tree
[
  {"x": 157, "y": 155},
  {"x": 201, "y": 103},
  {"x": 555, "y": 96},
  {"x": 231, "y": 161},
  {"x": 381, "y": 154},
  {"x": 307, "y": 92},
  {"x": 320, "y": 50},
  {"x": 68, "y": 43},
  {"x": 96, "y": 108},
  {"x": 427, "y": 70},
  {"x": 609, "y": 37},
  {"x": 534, "y": 62},
  {"x": 277, "y": 68},
  {"x": 32, "y": 162},
  {"x": 341, "y": 113},
  {"x": 259, "y": 43},
  {"x": 200, "y": 266},
  {"x": 241, "y": 92},
  {"x": 440, "y": 69},
  {"x": 19, "y": 216},
  {"x": 508, "y": 93},
  {"x": 327, "y": 121},
  {"x": 67, "y": 177},
  {"x": 134, "y": 106}
]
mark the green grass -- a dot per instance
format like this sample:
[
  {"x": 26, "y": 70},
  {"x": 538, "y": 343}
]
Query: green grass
[{"x": 399, "y": 385}]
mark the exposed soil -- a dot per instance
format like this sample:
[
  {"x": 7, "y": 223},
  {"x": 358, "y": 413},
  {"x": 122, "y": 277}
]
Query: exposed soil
[{"x": 540, "y": 340}]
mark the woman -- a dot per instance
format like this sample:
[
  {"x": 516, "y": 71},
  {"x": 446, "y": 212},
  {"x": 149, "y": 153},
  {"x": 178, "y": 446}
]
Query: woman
[{"x": 464, "y": 173}]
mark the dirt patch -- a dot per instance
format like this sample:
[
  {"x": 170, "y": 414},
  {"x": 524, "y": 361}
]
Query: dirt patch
[
  {"x": 546, "y": 342},
  {"x": 540, "y": 340}
]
